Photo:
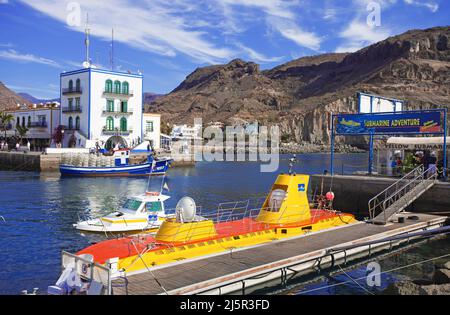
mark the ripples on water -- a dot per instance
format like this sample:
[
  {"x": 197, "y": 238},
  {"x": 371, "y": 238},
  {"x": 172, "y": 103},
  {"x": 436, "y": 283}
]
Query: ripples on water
[{"x": 40, "y": 208}]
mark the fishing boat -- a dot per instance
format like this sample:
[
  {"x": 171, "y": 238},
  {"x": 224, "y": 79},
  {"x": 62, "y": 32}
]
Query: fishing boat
[
  {"x": 116, "y": 165},
  {"x": 189, "y": 234},
  {"x": 143, "y": 212}
]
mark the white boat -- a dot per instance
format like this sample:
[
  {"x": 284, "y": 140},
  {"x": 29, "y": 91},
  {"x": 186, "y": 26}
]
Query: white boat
[
  {"x": 143, "y": 212},
  {"x": 139, "y": 213}
]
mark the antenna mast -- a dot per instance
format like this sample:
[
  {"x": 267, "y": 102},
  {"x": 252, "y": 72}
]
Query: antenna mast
[
  {"x": 86, "y": 41},
  {"x": 112, "y": 49}
]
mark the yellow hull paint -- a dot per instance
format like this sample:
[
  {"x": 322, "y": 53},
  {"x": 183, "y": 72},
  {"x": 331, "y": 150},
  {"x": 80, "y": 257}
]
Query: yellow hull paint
[{"x": 202, "y": 248}]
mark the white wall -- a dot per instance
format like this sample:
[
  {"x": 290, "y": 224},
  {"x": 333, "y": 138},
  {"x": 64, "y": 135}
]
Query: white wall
[
  {"x": 154, "y": 136},
  {"x": 93, "y": 103}
]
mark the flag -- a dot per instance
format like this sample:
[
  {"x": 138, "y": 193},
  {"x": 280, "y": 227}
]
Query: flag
[{"x": 166, "y": 187}]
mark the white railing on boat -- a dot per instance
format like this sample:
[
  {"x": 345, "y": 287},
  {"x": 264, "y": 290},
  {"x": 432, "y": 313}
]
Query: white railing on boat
[{"x": 88, "y": 270}]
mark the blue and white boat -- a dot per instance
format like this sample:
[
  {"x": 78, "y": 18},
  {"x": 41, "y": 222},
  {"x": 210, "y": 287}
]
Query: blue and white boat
[{"x": 116, "y": 165}]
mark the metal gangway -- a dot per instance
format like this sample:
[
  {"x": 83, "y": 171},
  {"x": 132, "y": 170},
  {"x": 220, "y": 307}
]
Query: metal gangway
[{"x": 400, "y": 194}]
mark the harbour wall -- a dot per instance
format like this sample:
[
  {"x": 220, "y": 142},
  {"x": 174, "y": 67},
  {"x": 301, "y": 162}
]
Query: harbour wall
[
  {"x": 37, "y": 162},
  {"x": 352, "y": 194}
]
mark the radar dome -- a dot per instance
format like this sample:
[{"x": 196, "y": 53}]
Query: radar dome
[{"x": 185, "y": 209}]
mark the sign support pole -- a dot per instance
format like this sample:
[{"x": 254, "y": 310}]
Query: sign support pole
[
  {"x": 371, "y": 153},
  {"x": 445, "y": 145},
  {"x": 332, "y": 146}
]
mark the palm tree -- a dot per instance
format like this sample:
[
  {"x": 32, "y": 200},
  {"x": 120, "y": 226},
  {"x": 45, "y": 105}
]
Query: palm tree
[
  {"x": 5, "y": 119},
  {"x": 22, "y": 132}
]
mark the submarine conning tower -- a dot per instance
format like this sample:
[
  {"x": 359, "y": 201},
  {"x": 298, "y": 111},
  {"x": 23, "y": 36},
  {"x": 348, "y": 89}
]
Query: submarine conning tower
[{"x": 287, "y": 202}]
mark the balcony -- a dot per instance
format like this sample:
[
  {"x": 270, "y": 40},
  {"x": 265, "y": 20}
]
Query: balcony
[
  {"x": 72, "y": 91},
  {"x": 121, "y": 95},
  {"x": 38, "y": 124},
  {"x": 116, "y": 132},
  {"x": 121, "y": 113},
  {"x": 71, "y": 109}
]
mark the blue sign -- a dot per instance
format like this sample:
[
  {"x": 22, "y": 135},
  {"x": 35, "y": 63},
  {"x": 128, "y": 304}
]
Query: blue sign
[
  {"x": 301, "y": 187},
  {"x": 389, "y": 123}
]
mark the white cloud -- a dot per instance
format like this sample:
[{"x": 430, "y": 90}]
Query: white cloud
[
  {"x": 162, "y": 27},
  {"x": 280, "y": 16},
  {"x": 256, "y": 56},
  {"x": 4, "y": 1},
  {"x": 12, "y": 54},
  {"x": 358, "y": 35},
  {"x": 432, "y": 6}
]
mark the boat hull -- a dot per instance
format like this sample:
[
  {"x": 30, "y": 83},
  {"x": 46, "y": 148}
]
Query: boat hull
[{"x": 143, "y": 169}]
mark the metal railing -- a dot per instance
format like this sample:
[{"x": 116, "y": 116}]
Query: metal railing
[
  {"x": 73, "y": 90},
  {"x": 88, "y": 270},
  {"x": 72, "y": 109},
  {"x": 392, "y": 194}
]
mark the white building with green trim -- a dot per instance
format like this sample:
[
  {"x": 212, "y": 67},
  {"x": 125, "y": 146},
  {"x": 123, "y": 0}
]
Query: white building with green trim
[{"x": 101, "y": 106}]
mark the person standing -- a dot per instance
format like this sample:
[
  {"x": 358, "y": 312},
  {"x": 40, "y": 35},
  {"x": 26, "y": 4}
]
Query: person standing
[
  {"x": 29, "y": 145},
  {"x": 432, "y": 161}
]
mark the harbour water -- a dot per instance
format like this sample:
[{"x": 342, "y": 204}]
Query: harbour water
[{"x": 40, "y": 209}]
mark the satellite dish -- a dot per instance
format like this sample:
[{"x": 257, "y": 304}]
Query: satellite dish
[
  {"x": 86, "y": 64},
  {"x": 185, "y": 209}
]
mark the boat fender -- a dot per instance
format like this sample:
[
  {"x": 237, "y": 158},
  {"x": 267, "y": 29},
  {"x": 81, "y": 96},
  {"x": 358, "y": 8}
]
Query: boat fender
[{"x": 330, "y": 196}]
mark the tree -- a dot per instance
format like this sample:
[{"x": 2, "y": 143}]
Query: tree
[
  {"x": 5, "y": 119},
  {"x": 22, "y": 132},
  {"x": 58, "y": 136}
]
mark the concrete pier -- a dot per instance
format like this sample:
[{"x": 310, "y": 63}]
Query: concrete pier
[
  {"x": 246, "y": 268},
  {"x": 353, "y": 192}
]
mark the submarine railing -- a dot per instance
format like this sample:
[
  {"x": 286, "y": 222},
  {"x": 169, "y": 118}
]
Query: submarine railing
[{"x": 331, "y": 254}]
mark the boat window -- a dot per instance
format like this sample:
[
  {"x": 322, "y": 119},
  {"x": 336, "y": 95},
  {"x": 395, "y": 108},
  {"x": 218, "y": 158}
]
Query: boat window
[
  {"x": 154, "y": 206},
  {"x": 276, "y": 199},
  {"x": 132, "y": 204}
]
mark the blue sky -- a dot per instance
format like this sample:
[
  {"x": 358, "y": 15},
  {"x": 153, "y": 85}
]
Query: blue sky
[{"x": 166, "y": 40}]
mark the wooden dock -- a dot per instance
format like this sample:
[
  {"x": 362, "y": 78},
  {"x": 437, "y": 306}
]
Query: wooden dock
[{"x": 251, "y": 265}]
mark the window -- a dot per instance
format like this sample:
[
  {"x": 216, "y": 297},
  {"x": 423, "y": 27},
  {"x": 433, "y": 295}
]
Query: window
[
  {"x": 123, "y": 124},
  {"x": 149, "y": 126},
  {"x": 108, "y": 86},
  {"x": 23, "y": 122},
  {"x": 70, "y": 103},
  {"x": 77, "y": 123},
  {"x": 125, "y": 88},
  {"x": 117, "y": 87},
  {"x": 109, "y": 123},
  {"x": 153, "y": 206},
  {"x": 70, "y": 85},
  {"x": 124, "y": 106},
  {"x": 110, "y": 105},
  {"x": 78, "y": 85},
  {"x": 18, "y": 121},
  {"x": 132, "y": 204},
  {"x": 70, "y": 123},
  {"x": 29, "y": 121},
  {"x": 77, "y": 103}
]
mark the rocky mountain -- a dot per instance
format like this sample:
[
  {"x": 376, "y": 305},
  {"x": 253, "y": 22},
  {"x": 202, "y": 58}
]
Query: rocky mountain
[
  {"x": 35, "y": 100},
  {"x": 9, "y": 99},
  {"x": 150, "y": 97},
  {"x": 301, "y": 94}
]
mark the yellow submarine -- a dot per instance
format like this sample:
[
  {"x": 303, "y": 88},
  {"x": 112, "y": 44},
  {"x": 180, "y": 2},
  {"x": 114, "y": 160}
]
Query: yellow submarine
[{"x": 285, "y": 213}]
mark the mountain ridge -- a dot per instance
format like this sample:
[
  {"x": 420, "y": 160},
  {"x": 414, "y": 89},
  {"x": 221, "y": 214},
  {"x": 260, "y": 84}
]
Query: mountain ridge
[{"x": 414, "y": 66}]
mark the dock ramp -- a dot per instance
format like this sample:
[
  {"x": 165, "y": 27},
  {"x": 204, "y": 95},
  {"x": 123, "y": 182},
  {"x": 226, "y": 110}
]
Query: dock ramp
[{"x": 400, "y": 195}]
